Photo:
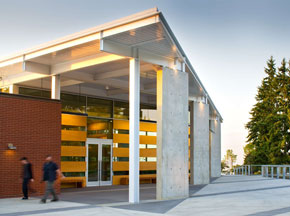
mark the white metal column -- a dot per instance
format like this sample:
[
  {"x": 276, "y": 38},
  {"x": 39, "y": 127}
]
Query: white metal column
[
  {"x": 13, "y": 89},
  {"x": 55, "y": 87},
  {"x": 134, "y": 109}
]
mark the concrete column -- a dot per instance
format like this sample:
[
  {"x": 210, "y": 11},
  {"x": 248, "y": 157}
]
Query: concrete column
[
  {"x": 215, "y": 149},
  {"x": 13, "y": 89},
  {"x": 134, "y": 115},
  {"x": 199, "y": 143},
  {"x": 262, "y": 171},
  {"x": 242, "y": 170},
  {"x": 172, "y": 134},
  {"x": 284, "y": 172},
  {"x": 55, "y": 87},
  {"x": 267, "y": 171},
  {"x": 272, "y": 172}
]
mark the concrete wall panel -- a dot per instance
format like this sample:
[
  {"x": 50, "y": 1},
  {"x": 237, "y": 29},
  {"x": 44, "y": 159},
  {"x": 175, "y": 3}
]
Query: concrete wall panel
[
  {"x": 172, "y": 134},
  {"x": 216, "y": 150},
  {"x": 199, "y": 146}
]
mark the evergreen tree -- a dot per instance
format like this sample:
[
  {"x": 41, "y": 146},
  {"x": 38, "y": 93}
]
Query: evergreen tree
[{"x": 268, "y": 128}]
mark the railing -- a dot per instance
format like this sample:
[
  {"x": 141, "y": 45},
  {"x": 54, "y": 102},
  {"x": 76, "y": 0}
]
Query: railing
[{"x": 272, "y": 171}]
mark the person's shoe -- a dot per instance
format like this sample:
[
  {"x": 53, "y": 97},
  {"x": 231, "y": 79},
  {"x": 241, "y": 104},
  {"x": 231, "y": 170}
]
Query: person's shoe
[
  {"x": 25, "y": 198},
  {"x": 54, "y": 200},
  {"x": 42, "y": 201}
]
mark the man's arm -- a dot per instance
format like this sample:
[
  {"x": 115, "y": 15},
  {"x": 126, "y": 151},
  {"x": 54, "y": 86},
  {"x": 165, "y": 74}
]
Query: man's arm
[
  {"x": 31, "y": 173},
  {"x": 59, "y": 173}
]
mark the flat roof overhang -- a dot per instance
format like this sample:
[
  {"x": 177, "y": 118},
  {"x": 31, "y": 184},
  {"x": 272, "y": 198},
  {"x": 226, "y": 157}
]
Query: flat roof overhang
[{"x": 99, "y": 56}]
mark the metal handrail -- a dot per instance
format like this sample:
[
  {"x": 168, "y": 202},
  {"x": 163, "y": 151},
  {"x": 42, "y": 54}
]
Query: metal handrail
[{"x": 264, "y": 170}]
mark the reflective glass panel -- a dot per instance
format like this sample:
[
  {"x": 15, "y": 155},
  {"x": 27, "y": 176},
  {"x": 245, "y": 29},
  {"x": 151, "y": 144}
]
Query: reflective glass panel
[
  {"x": 100, "y": 128},
  {"x": 93, "y": 162},
  {"x": 106, "y": 162},
  {"x": 121, "y": 110},
  {"x": 73, "y": 103},
  {"x": 34, "y": 92},
  {"x": 99, "y": 107}
]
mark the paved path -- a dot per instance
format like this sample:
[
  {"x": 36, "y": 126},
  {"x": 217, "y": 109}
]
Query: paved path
[{"x": 228, "y": 195}]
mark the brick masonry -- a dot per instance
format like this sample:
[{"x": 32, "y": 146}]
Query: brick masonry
[{"x": 33, "y": 126}]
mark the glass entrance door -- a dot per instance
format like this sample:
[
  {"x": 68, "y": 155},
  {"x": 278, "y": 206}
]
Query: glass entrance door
[{"x": 99, "y": 162}]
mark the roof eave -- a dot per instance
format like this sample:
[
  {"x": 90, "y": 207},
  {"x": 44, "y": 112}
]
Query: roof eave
[{"x": 187, "y": 62}]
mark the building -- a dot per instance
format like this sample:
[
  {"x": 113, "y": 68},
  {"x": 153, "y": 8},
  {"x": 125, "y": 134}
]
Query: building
[{"x": 96, "y": 98}]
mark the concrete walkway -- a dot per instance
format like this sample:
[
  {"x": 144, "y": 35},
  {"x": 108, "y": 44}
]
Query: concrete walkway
[{"x": 228, "y": 195}]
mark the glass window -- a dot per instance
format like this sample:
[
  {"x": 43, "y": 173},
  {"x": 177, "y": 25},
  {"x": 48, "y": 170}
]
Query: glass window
[
  {"x": 121, "y": 173},
  {"x": 142, "y": 159},
  {"x": 123, "y": 145},
  {"x": 100, "y": 128},
  {"x": 121, "y": 131},
  {"x": 72, "y": 158},
  {"x": 99, "y": 107},
  {"x": 74, "y": 128},
  {"x": 121, "y": 110},
  {"x": 73, "y": 103},
  {"x": 72, "y": 143},
  {"x": 148, "y": 112},
  {"x": 4, "y": 89},
  {"x": 73, "y": 174},
  {"x": 121, "y": 159},
  {"x": 142, "y": 133},
  {"x": 35, "y": 92},
  {"x": 142, "y": 146},
  {"x": 144, "y": 172},
  {"x": 149, "y": 133}
]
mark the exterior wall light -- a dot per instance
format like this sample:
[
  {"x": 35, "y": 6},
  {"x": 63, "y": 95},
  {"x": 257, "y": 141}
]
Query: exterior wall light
[{"x": 11, "y": 146}]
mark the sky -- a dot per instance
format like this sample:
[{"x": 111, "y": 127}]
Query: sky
[{"x": 227, "y": 41}]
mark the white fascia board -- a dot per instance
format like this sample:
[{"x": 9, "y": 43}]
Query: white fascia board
[
  {"x": 21, "y": 77},
  {"x": 11, "y": 61}
]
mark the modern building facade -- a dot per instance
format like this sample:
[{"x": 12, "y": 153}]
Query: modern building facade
[{"x": 126, "y": 107}]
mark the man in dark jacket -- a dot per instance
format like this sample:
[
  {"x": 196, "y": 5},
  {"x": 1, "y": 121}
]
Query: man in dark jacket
[
  {"x": 50, "y": 171},
  {"x": 26, "y": 176}
]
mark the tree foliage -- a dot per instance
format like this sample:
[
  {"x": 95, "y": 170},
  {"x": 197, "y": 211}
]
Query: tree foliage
[
  {"x": 230, "y": 158},
  {"x": 268, "y": 129}
]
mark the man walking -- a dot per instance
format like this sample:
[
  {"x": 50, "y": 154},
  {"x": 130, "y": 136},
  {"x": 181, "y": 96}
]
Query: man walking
[
  {"x": 26, "y": 176},
  {"x": 50, "y": 172}
]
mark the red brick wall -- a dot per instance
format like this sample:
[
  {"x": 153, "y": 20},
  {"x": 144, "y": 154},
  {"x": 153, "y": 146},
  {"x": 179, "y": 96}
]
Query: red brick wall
[{"x": 34, "y": 127}]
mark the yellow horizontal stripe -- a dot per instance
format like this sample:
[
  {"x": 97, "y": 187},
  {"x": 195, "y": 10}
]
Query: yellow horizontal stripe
[
  {"x": 124, "y": 152},
  {"x": 73, "y": 120},
  {"x": 69, "y": 135},
  {"x": 120, "y": 152},
  {"x": 144, "y": 126},
  {"x": 148, "y": 153},
  {"x": 124, "y": 138},
  {"x": 147, "y": 126},
  {"x": 73, "y": 151},
  {"x": 71, "y": 166},
  {"x": 148, "y": 140},
  {"x": 116, "y": 179},
  {"x": 124, "y": 166}
]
